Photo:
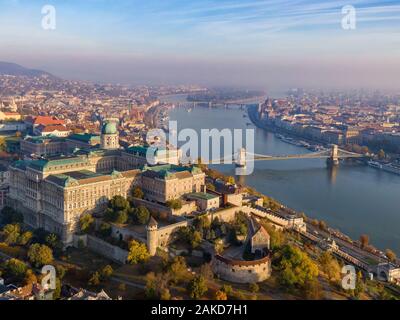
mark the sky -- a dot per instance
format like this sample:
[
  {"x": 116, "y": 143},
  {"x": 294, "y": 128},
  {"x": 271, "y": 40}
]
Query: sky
[{"x": 266, "y": 44}]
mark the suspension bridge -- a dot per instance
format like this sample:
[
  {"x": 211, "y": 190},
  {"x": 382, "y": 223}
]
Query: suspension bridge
[{"x": 332, "y": 156}]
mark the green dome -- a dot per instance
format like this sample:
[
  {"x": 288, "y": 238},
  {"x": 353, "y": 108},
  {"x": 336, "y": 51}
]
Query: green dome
[{"x": 109, "y": 128}]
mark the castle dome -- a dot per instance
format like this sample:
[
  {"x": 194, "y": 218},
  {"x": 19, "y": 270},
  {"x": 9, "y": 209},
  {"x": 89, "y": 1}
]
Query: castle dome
[{"x": 109, "y": 128}]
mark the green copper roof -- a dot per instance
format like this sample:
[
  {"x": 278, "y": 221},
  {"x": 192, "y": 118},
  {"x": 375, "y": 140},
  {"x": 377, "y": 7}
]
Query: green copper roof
[
  {"x": 109, "y": 128},
  {"x": 202, "y": 195},
  {"x": 142, "y": 150},
  {"x": 85, "y": 137},
  {"x": 42, "y": 139},
  {"x": 167, "y": 171},
  {"x": 45, "y": 164}
]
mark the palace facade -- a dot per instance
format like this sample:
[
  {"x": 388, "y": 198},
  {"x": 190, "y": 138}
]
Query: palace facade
[{"x": 53, "y": 192}]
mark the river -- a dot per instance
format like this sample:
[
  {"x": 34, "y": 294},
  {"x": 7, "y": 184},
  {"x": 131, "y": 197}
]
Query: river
[{"x": 353, "y": 198}]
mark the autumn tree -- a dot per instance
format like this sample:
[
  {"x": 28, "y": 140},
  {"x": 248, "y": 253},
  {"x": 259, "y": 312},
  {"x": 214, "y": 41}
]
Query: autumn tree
[
  {"x": 175, "y": 204},
  {"x": 296, "y": 267},
  {"x": 85, "y": 222},
  {"x": 253, "y": 287},
  {"x": 40, "y": 254},
  {"x": 220, "y": 295},
  {"x": 330, "y": 266},
  {"x": 137, "y": 252},
  {"x": 197, "y": 287},
  {"x": 177, "y": 269},
  {"x": 364, "y": 240},
  {"x": 16, "y": 268},
  {"x": 137, "y": 192},
  {"x": 390, "y": 255},
  {"x": 11, "y": 233}
]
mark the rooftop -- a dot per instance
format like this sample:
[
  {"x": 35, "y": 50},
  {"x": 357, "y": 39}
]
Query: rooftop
[
  {"x": 85, "y": 137},
  {"x": 202, "y": 195}
]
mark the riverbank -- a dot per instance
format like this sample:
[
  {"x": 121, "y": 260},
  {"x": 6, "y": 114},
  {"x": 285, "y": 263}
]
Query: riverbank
[{"x": 353, "y": 198}]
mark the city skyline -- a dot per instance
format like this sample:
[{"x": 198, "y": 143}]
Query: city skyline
[{"x": 264, "y": 44}]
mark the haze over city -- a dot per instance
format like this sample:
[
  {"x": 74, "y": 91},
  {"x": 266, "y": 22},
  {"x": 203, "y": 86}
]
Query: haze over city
[{"x": 263, "y": 44}]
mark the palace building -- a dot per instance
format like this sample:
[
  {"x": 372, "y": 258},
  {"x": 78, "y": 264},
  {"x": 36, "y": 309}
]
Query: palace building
[{"x": 53, "y": 192}]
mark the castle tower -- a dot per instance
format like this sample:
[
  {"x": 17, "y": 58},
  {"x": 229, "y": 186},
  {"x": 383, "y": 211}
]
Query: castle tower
[
  {"x": 109, "y": 138},
  {"x": 152, "y": 236}
]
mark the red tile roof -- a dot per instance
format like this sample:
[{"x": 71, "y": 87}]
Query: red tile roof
[
  {"x": 52, "y": 128},
  {"x": 45, "y": 120}
]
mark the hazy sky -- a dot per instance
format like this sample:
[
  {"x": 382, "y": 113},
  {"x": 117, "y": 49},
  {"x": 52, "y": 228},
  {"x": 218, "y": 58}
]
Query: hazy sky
[{"x": 267, "y": 44}]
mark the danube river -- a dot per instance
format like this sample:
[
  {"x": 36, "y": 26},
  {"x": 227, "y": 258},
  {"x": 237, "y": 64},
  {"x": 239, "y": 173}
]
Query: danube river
[{"x": 354, "y": 198}]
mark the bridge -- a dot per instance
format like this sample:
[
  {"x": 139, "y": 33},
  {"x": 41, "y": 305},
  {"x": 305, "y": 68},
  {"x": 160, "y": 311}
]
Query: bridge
[{"x": 332, "y": 156}]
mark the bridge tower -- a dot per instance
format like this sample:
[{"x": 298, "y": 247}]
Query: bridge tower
[
  {"x": 241, "y": 158},
  {"x": 334, "y": 158}
]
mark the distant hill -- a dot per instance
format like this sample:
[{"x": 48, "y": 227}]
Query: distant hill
[{"x": 13, "y": 69}]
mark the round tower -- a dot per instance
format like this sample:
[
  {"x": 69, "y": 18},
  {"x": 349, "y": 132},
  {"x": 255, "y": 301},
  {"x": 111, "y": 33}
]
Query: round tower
[
  {"x": 152, "y": 236},
  {"x": 109, "y": 138}
]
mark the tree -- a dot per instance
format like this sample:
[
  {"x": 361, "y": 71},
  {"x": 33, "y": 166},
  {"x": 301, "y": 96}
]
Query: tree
[
  {"x": 118, "y": 210},
  {"x": 24, "y": 238},
  {"x": 95, "y": 279},
  {"x": 227, "y": 289},
  {"x": 231, "y": 180},
  {"x": 253, "y": 287},
  {"x": 11, "y": 233},
  {"x": 390, "y": 255},
  {"x": 16, "y": 268},
  {"x": 57, "y": 290},
  {"x": 106, "y": 272},
  {"x": 197, "y": 287},
  {"x": 202, "y": 222},
  {"x": 196, "y": 239},
  {"x": 141, "y": 215},
  {"x": 137, "y": 252},
  {"x": 165, "y": 294},
  {"x": 40, "y": 254},
  {"x": 210, "y": 186},
  {"x": 61, "y": 271},
  {"x": 330, "y": 266},
  {"x": 206, "y": 271},
  {"x": 312, "y": 290},
  {"x": 151, "y": 291},
  {"x": 30, "y": 277},
  {"x": 53, "y": 241},
  {"x": 177, "y": 269},
  {"x": 85, "y": 222},
  {"x": 364, "y": 150},
  {"x": 322, "y": 225},
  {"x": 121, "y": 217},
  {"x": 10, "y": 216},
  {"x": 3, "y": 144},
  {"x": 105, "y": 230},
  {"x": 137, "y": 192},
  {"x": 220, "y": 295},
  {"x": 381, "y": 154},
  {"x": 175, "y": 204},
  {"x": 364, "y": 240},
  {"x": 296, "y": 267}
]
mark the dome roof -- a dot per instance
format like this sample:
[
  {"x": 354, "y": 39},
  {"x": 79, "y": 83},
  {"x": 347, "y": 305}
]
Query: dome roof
[{"x": 109, "y": 128}]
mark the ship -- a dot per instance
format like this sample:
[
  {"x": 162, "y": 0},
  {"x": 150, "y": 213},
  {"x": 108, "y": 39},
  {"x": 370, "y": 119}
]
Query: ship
[
  {"x": 375, "y": 164},
  {"x": 391, "y": 167}
]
